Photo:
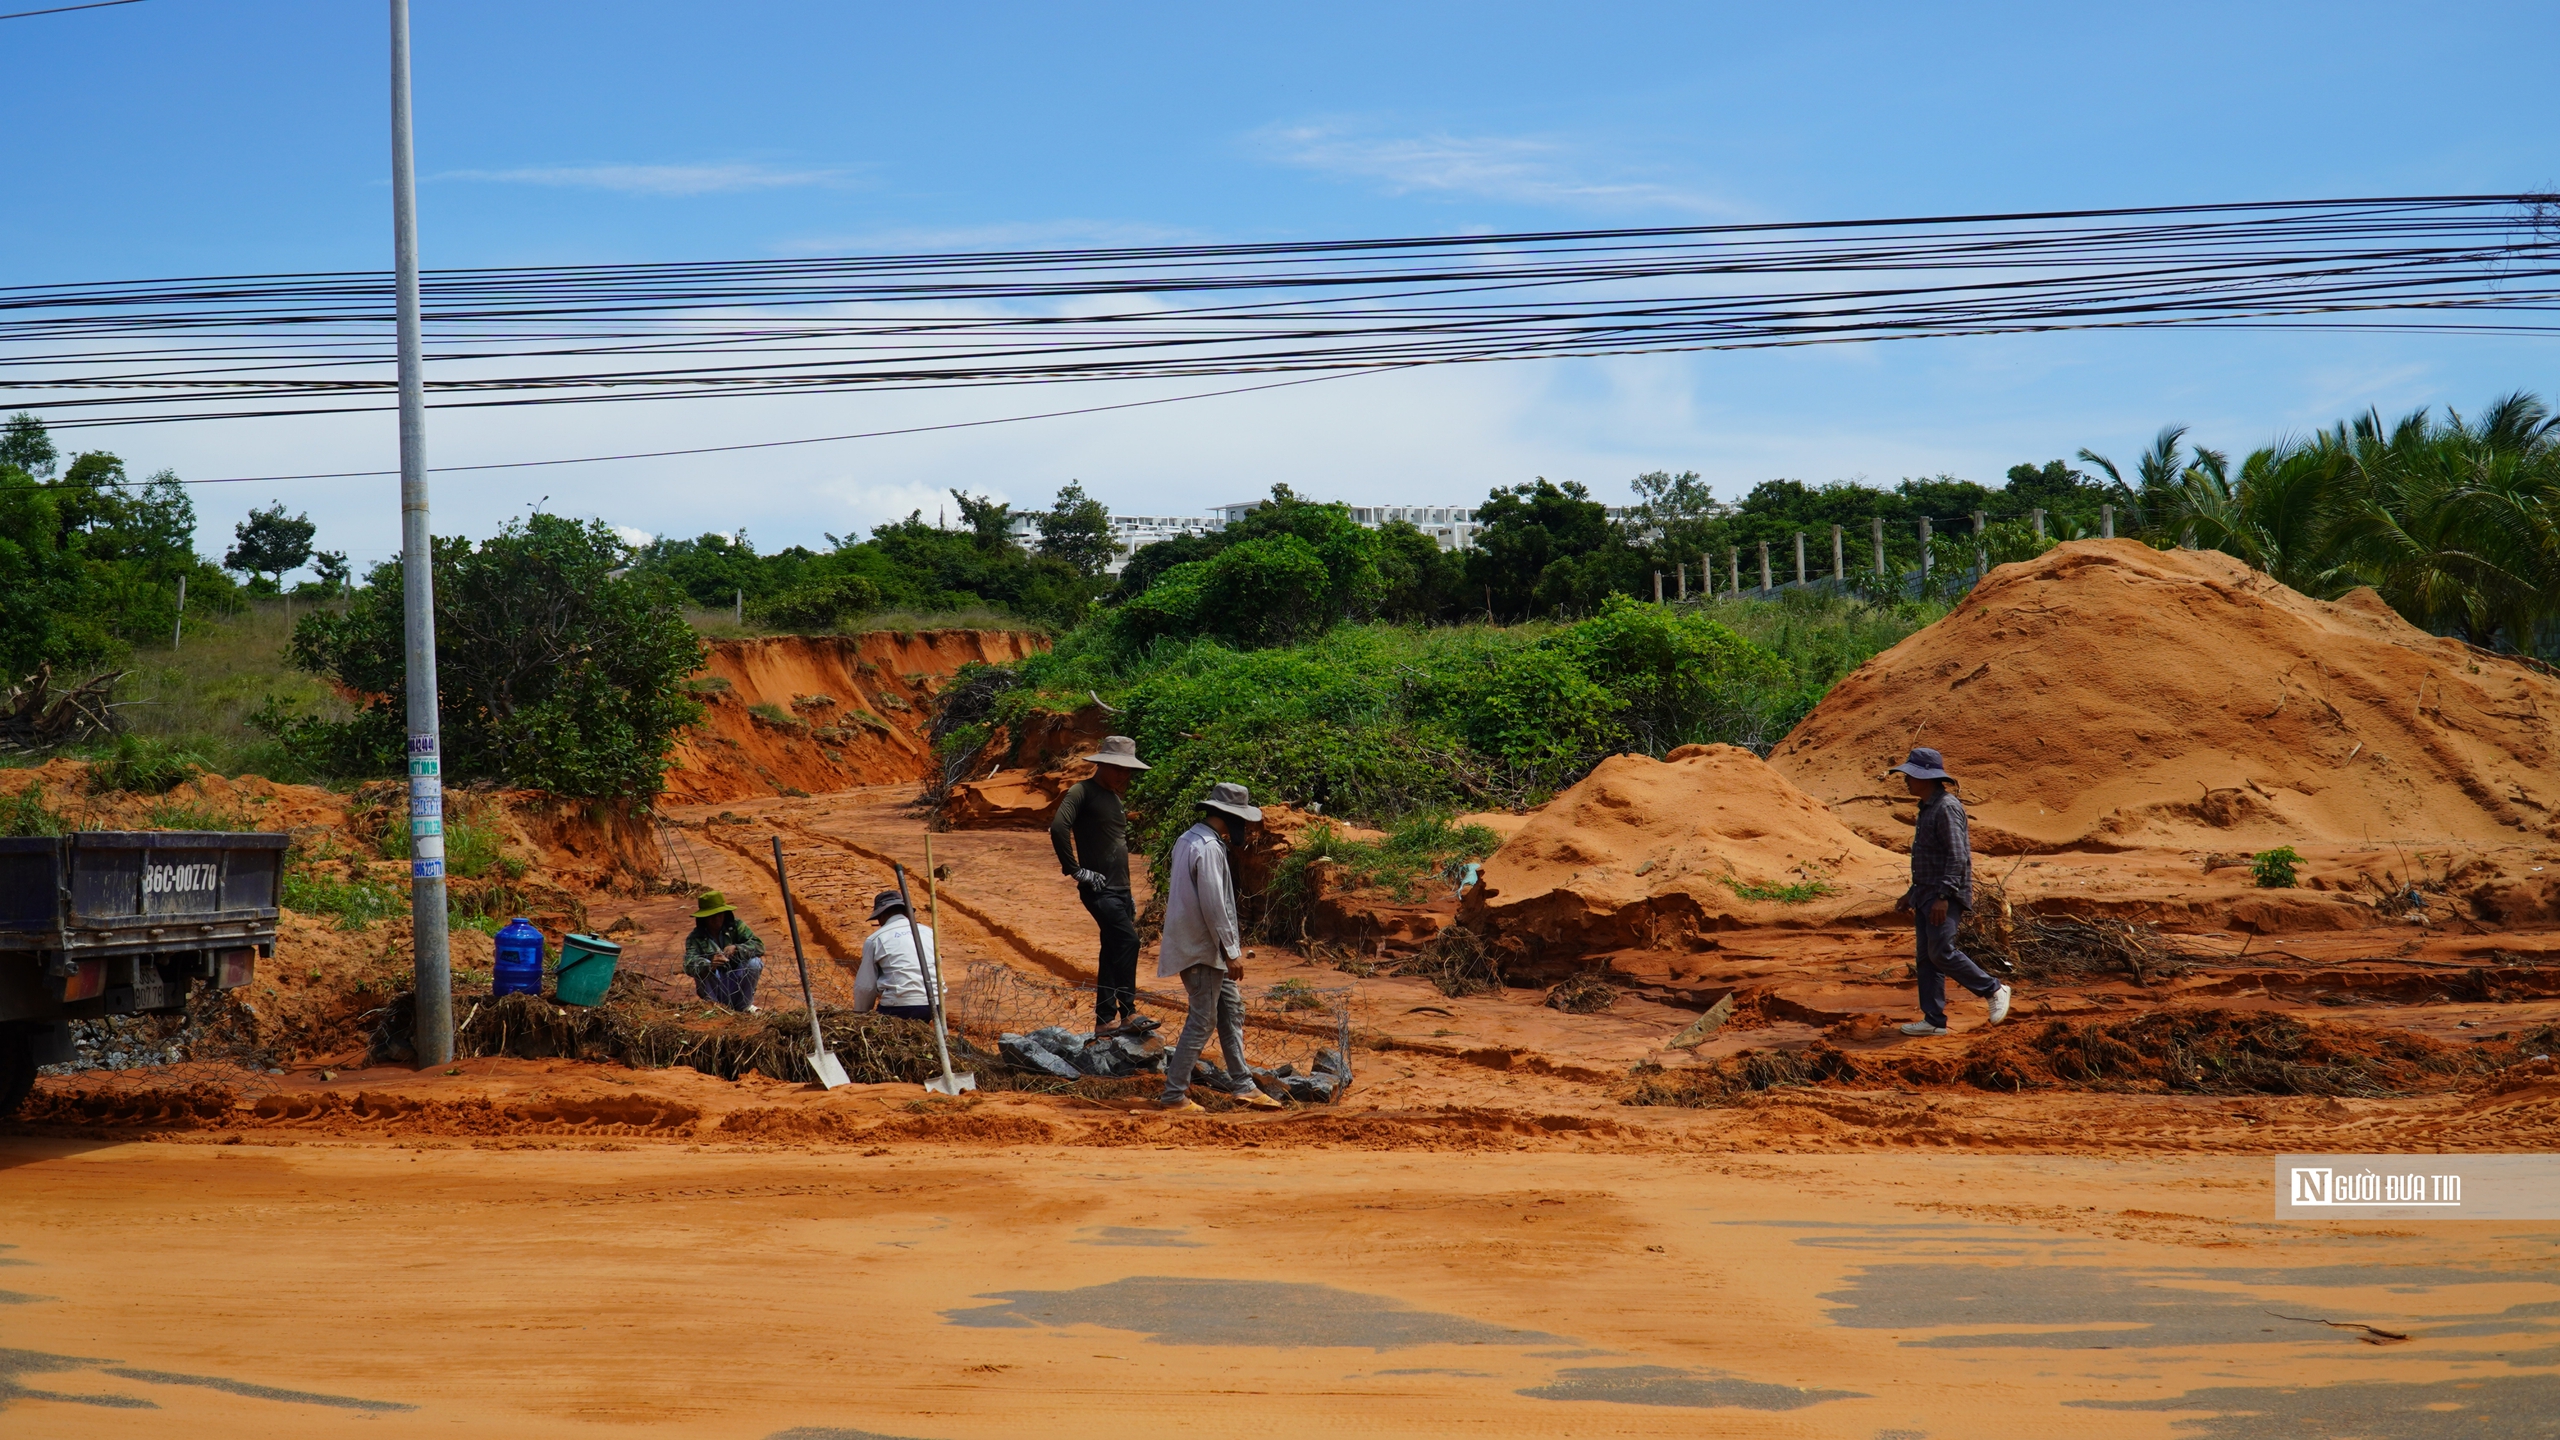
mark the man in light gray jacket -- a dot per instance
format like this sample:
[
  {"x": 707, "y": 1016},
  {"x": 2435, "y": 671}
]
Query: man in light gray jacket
[{"x": 1203, "y": 944}]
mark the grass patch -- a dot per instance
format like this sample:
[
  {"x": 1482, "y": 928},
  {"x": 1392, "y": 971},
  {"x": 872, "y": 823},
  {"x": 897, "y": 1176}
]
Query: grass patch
[
  {"x": 199, "y": 815},
  {"x": 776, "y": 716},
  {"x": 1802, "y": 893},
  {"x": 198, "y": 698},
  {"x": 353, "y": 903},
  {"x": 143, "y": 765},
  {"x": 1419, "y": 854},
  {"x": 24, "y": 815}
]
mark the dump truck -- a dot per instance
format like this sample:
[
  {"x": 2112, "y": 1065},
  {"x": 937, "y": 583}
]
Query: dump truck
[{"x": 123, "y": 922}]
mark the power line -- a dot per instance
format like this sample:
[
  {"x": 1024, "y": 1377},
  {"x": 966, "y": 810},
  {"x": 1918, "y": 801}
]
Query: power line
[
  {"x": 775, "y": 444},
  {"x": 65, "y": 9}
]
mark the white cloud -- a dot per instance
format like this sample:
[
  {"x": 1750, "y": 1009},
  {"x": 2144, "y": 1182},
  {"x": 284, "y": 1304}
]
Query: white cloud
[
  {"x": 633, "y": 536},
  {"x": 1527, "y": 169},
  {"x": 667, "y": 180}
]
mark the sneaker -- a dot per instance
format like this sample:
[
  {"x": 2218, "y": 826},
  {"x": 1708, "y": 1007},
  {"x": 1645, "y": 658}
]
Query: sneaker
[
  {"x": 1174, "y": 1106},
  {"x": 1999, "y": 1005},
  {"x": 1923, "y": 1027},
  {"x": 1257, "y": 1100}
]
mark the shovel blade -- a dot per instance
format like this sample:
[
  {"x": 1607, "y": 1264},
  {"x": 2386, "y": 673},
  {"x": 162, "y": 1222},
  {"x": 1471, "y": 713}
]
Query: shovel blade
[
  {"x": 951, "y": 1084},
  {"x": 830, "y": 1070}
]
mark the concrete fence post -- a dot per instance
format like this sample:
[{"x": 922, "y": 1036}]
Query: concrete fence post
[
  {"x": 2038, "y": 517},
  {"x": 1875, "y": 525},
  {"x": 1927, "y": 561},
  {"x": 2106, "y": 522},
  {"x": 1981, "y": 552},
  {"x": 1733, "y": 569},
  {"x": 1767, "y": 583},
  {"x": 1800, "y": 575},
  {"x": 1657, "y": 587},
  {"x": 1684, "y": 580},
  {"x": 1839, "y": 566}
]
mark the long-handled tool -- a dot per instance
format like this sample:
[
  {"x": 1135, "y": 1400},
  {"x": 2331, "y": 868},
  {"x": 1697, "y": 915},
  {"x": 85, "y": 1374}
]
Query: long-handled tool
[
  {"x": 822, "y": 1061},
  {"x": 946, "y": 1083}
]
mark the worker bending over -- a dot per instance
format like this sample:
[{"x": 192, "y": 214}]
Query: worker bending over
[{"x": 892, "y": 974}]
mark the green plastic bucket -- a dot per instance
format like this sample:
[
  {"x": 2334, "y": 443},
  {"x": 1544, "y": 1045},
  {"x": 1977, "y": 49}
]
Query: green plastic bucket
[{"x": 586, "y": 970}]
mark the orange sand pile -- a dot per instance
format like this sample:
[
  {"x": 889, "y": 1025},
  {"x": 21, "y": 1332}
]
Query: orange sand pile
[
  {"x": 2108, "y": 696},
  {"x": 1650, "y": 854}
]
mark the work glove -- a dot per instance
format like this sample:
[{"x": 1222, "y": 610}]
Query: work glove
[{"x": 1091, "y": 881}]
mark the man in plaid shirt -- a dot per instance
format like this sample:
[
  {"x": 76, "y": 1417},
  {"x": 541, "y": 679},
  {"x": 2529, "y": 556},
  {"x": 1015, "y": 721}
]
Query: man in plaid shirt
[{"x": 1941, "y": 891}]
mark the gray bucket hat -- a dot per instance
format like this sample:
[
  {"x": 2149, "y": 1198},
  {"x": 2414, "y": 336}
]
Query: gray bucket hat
[
  {"x": 1231, "y": 799},
  {"x": 885, "y": 904},
  {"x": 1119, "y": 750},
  {"x": 1925, "y": 764}
]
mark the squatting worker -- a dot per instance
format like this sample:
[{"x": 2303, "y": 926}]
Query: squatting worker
[
  {"x": 891, "y": 974},
  {"x": 1941, "y": 891},
  {"x": 722, "y": 955},
  {"x": 1091, "y": 836},
  {"x": 1203, "y": 945}
]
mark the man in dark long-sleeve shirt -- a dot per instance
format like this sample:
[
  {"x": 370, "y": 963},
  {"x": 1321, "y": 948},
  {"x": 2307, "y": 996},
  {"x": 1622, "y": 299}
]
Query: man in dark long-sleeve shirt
[
  {"x": 1091, "y": 835},
  {"x": 1941, "y": 891}
]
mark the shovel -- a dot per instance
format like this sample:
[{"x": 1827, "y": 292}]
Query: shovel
[
  {"x": 946, "y": 1083},
  {"x": 822, "y": 1061}
]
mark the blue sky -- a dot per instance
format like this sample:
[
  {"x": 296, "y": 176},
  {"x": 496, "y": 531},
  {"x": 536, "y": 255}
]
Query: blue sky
[{"x": 210, "y": 136}]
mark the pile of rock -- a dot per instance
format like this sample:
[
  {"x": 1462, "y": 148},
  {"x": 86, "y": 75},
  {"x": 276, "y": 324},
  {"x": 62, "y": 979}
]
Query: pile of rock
[
  {"x": 1070, "y": 1055},
  {"x": 1057, "y": 1050}
]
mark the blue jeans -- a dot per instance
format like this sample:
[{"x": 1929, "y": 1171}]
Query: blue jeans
[
  {"x": 734, "y": 987},
  {"x": 1939, "y": 959},
  {"x": 1216, "y": 1002}
]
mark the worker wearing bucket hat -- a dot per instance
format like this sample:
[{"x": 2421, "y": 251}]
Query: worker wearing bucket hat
[
  {"x": 722, "y": 955},
  {"x": 891, "y": 975},
  {"x": 1941, "y": 891},
  {"x": 1204, "y": 945},
  {"x": 1091, "y": 835}
]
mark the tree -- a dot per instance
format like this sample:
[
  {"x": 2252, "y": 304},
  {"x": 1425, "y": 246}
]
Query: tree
[
  {"x": 1077, "y": 530},
  {"x": 271, "y": 543},
  {"x": 1528, "y": 528},
  {"x": 331, "y": 567},
  {"x": 990, "y": 522},
  {"x": 553, "y": 671},
  {"x": 25, "y": 445}
]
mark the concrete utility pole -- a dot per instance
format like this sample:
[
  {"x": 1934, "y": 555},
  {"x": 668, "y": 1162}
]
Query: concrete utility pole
[
  {"x": 2106, "y": 522},
  {"x": 1925, "y": 565},
  {"x": 1800, "y": 575},
  {"x": 1839, "y": 566},
  {"x": 1766, "y": 583},
  {"x": 433, "y": 958},
  {"x": 1875, "y": 526}
]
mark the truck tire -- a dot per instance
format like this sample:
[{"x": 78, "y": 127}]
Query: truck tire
[{"x": 17, "y": 1068}]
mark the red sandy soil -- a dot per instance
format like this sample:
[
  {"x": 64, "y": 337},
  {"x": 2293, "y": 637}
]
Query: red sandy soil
[
  {"x": 2106, "y": 696},
  {"x": 848, "y": 710}
]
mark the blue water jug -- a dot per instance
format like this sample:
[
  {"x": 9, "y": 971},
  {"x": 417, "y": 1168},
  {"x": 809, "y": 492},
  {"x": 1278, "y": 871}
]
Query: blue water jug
[{"x": 519, "y": 968}]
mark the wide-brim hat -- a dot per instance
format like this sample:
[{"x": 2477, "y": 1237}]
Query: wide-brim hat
[
  {"x": 885, "y": 904},
  {"x": 1119, "y": 750},
  {"x": 1924, "y": 764},
  {"x": 1231, "y": 799},
  {"x": 713, "y": 903}
]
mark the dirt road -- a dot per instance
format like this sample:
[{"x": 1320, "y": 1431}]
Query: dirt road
[{"x": 165, "y": 1289}]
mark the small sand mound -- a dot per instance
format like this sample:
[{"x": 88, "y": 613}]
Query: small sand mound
[
  {"x": 2109, "y": 696},
  {"x": 1649, "y": 854}
]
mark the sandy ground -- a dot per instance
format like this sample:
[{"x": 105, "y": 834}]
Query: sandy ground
[{"x": 320, "y": 1289}]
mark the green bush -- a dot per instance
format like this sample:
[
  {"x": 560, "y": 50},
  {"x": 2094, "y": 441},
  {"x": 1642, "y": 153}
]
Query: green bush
[
  {"x": 2274, "y": 869},
  {"x": 141, "y": 766},
  {"x": 820, "y": 605},
  {"x": 555, "y": 670}
]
